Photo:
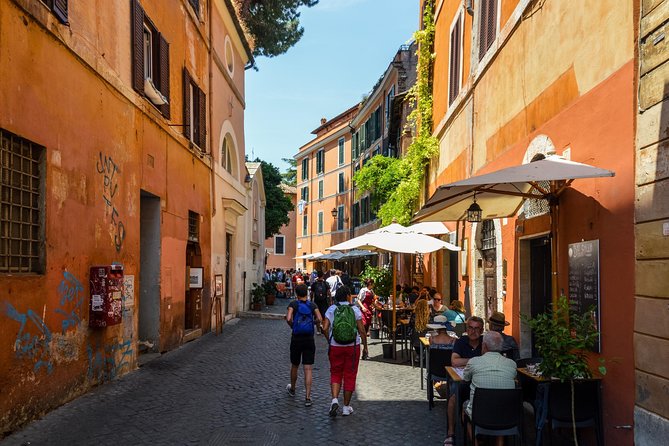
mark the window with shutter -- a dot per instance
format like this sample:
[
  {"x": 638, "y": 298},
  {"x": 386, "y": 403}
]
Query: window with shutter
[
  {"x": 59, "y": 9},
  {"x": 341, "y": 151},
  {"x": 320, "y": 190},
  {"x": 194, "y": 112},
  {"x": 150, "y": 59},
  {"x": 341, "y": 182},
  {"x": 320, "y": 222},
  {"x": 305, "y": 168},
  {"x": 340, "y": 218},
  {"x": 487, "y": 26},
  {"x": 455, "y": 53}
]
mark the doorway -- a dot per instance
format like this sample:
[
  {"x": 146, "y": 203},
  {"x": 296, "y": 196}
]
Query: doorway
[
  {"x": 193, "y": 307},
  {"x": 535, "y": 286},
  {"x": 228, "y": 248},
  {"x": 148, "y": 311},
  {"x": 489, "y": 259}
]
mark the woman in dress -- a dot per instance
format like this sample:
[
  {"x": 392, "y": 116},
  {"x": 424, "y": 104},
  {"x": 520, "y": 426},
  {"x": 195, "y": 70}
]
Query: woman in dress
[{"x": 365, "y": 301}]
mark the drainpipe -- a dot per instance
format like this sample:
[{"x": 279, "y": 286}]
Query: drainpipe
[
  {"x": 211, "y": 112},
  {"x": 469, "y": 7}
]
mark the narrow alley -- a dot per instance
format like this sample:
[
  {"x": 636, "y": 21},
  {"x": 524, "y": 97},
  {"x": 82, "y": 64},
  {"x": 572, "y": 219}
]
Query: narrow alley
[{"x": 231, "y": 389}]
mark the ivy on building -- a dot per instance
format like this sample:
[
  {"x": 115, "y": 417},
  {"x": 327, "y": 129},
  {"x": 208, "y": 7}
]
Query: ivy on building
[{"x": 396, "y": 184}]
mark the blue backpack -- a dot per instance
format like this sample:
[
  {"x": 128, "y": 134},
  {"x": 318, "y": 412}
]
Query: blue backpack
[{"x": 303, "y": 320}]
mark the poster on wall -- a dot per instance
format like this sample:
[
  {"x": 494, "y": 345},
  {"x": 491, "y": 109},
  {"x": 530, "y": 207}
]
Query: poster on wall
[
  {"x": 195, "y": 277},
  {"x": 584, "y": 281}
]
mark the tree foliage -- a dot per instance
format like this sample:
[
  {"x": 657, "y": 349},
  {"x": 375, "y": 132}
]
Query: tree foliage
[
  {"x": 278, "y": 204},
  {"x": 410, "y": 171},
  {"x": 274, "y": 25},
  {"x": 383, "y": 278},
  {"x": 289, "y": 177}
]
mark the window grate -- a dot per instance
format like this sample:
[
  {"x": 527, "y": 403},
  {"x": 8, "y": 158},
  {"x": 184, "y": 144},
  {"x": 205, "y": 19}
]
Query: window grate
[
  {"x": 193, "y": 226},
  {"x": 21, "y": 205},
  {"x": 488, "y": 235}
]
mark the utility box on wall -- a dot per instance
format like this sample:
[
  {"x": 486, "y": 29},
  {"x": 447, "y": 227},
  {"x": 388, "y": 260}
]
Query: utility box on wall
[{"x": 105, "y": 307}]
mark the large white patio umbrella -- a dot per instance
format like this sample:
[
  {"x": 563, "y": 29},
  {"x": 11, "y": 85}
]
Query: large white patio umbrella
[
  {"x": 395, "y": 238},
  {"x": 311, "y": 256},
  {"x": 501, "y": 194}
]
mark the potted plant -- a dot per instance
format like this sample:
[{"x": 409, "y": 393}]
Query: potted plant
[
  {"x": 562, "y": 339},
  {"x": 270, "y": 292},
  {"x": 257, "y": 295}
]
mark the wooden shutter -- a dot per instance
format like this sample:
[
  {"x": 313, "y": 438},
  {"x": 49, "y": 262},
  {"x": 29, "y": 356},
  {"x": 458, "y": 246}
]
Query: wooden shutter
[
  {"x": 202, "y": 121},
  {"x": 454, "y": 75},
  {"x": 137, "y": 46},
  {"x": 487, "y": 26},
  {"x": 164, "y": 56},
  {"x": 60, "y": 11},
  {"x": 186, "y": 108}
]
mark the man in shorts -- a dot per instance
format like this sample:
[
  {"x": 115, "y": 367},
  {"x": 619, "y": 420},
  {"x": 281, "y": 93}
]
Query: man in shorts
[{"x": 302, "y": 346}]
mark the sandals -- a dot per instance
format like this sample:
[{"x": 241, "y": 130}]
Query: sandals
[{"x": 450, "y": 440}]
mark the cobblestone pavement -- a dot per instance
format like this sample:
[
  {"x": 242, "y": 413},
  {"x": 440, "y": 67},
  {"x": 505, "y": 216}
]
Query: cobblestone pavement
[{"x": 231, "y": 390}]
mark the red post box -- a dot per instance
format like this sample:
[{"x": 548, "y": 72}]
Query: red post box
[{"x": 106, "y": 296}]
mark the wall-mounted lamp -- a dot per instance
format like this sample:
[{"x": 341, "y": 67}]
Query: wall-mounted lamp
[
  {"x": 474, "y": 213},
  {"x": 334, "y": 212},
  {"x": 247, "y": 179}
]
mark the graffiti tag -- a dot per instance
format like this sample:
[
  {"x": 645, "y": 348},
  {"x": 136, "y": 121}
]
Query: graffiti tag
[
  {"x": 108, "y": 168},
  {"x": 71, "y": 295},
  {"x": 106, "y": 362},
  {"x": 33, "y": 339}
]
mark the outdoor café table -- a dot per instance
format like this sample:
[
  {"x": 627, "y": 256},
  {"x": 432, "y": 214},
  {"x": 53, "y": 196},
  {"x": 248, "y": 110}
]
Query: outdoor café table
[
  {"x": 461, "y": 394},
  {"x": 536, "y": 390},
  {"x": 424, "y": 342}
]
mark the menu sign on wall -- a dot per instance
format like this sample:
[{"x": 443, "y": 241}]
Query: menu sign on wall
[{"x": 584, "y": 280}]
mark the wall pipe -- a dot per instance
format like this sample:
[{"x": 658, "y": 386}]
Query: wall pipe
[{"x": 469, "y": 7}]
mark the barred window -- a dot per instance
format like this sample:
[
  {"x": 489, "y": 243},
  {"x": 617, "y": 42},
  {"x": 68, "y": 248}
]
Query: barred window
[
  {"x": 488, "y": 235},
  {"x": 21, "y": 205},
  {"x": 193, "y": 226}
]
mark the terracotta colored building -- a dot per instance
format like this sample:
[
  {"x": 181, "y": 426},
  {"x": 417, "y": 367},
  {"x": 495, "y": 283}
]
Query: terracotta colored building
[
  {"x": 329, "y": 209},
  {"x": 280, "y": 248},
  {"x": 518, "y": 79},
  {"x": 113, "y": 134},
  {"x": 651, "y": 216}
]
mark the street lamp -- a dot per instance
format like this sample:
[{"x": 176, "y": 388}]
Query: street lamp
[{"x": 334, "y": 212}]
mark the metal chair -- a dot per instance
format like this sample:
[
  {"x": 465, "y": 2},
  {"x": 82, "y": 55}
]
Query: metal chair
[
  {"x": 497, "y": 412},
  {"x": 586, "y": 406},
  {"x": 439, "y": 359}
]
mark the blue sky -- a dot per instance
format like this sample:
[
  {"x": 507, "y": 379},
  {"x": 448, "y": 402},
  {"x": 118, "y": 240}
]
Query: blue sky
[{"x": 347, "y": 45}]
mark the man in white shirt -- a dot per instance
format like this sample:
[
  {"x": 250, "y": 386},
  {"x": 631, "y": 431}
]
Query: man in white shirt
[{"x": 335, "y": 282}]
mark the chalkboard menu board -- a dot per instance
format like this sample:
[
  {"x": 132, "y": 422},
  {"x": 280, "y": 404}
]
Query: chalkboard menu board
[{"x": 584, "y": 279}]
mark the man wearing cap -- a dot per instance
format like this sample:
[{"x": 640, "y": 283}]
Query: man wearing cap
[{"x": 497, "y": 322}]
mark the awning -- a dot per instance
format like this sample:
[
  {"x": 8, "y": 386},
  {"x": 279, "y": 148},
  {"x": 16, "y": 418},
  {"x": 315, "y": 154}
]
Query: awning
[
  {"x": 331, "y": 256},
  {"x": 315, "y": 255},
  {"x": 501, "y": 193}
]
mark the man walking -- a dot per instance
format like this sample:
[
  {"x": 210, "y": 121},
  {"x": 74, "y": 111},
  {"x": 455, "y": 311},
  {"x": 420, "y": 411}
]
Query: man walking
[
  {"x": 300, "y": 316},
  {"x": 320, "y": 293},
  {"x": 334, "y": 281},
  {"x": 343, "y": 325}
]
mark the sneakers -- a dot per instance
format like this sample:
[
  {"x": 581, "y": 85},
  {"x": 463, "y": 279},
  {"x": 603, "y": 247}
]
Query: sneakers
[
  {"x": 334, "y": 407},
  {"x": 307, "y": 402},
  {"x": 348, "y": 410},
  {"x": 290, "y": 390}
]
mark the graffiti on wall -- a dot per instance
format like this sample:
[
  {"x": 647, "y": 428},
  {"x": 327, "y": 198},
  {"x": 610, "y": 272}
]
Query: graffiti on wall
[
  {"x": 105, "y": 362},
  {"x": 71, "y": 296},
  {"x": 33, "y": 341},
  {"x": 109, "y": 170}
]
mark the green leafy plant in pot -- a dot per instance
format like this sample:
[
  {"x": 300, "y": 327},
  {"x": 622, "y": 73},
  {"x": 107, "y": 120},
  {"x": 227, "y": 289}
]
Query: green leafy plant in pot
[
  {"x": 383, "y": 278},
  {"x": 257, "y": 295},
  {"x": 562, "y": 339},
  {"x": 270, "y": 292}
]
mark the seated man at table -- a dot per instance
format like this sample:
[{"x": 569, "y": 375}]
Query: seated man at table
[
  {"x": 490, "y": 371},
  {"x": 465, "y": 348},
  {"x": 497, "y": 322}
]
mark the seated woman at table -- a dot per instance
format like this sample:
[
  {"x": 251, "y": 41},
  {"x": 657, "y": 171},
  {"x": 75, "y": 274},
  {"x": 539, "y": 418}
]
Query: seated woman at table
[
  {"x": 418, "y": 323},
  {"x": 437, "y": 308},
  {"x": 442, "y": 341},
  {"x": 456, "y": 313}
]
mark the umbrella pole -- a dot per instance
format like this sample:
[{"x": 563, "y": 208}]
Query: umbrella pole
[
  {"x": 392, "y": 302},
  {"x": 554, "y": 211}
]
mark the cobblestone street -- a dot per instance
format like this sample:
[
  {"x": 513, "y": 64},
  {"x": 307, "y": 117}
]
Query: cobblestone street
[{"x": 230, "y": 389}]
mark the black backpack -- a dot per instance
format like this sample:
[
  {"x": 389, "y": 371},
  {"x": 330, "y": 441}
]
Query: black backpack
[{"x": 319, "y": 291}]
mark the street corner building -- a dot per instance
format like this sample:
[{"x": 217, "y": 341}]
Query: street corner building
[{"x": 126, "y": 206}]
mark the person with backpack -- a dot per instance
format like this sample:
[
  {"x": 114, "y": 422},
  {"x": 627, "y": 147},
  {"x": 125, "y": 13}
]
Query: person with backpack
[
  {"x": 301, "y": 316},
  {"x": 334, "y": 281},
  {"x": 343, "y": 325},
  {"x": 320, "y": 293}
]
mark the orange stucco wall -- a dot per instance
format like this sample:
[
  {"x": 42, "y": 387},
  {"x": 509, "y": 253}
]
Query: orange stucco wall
[{"x": 103, "y": 145}]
